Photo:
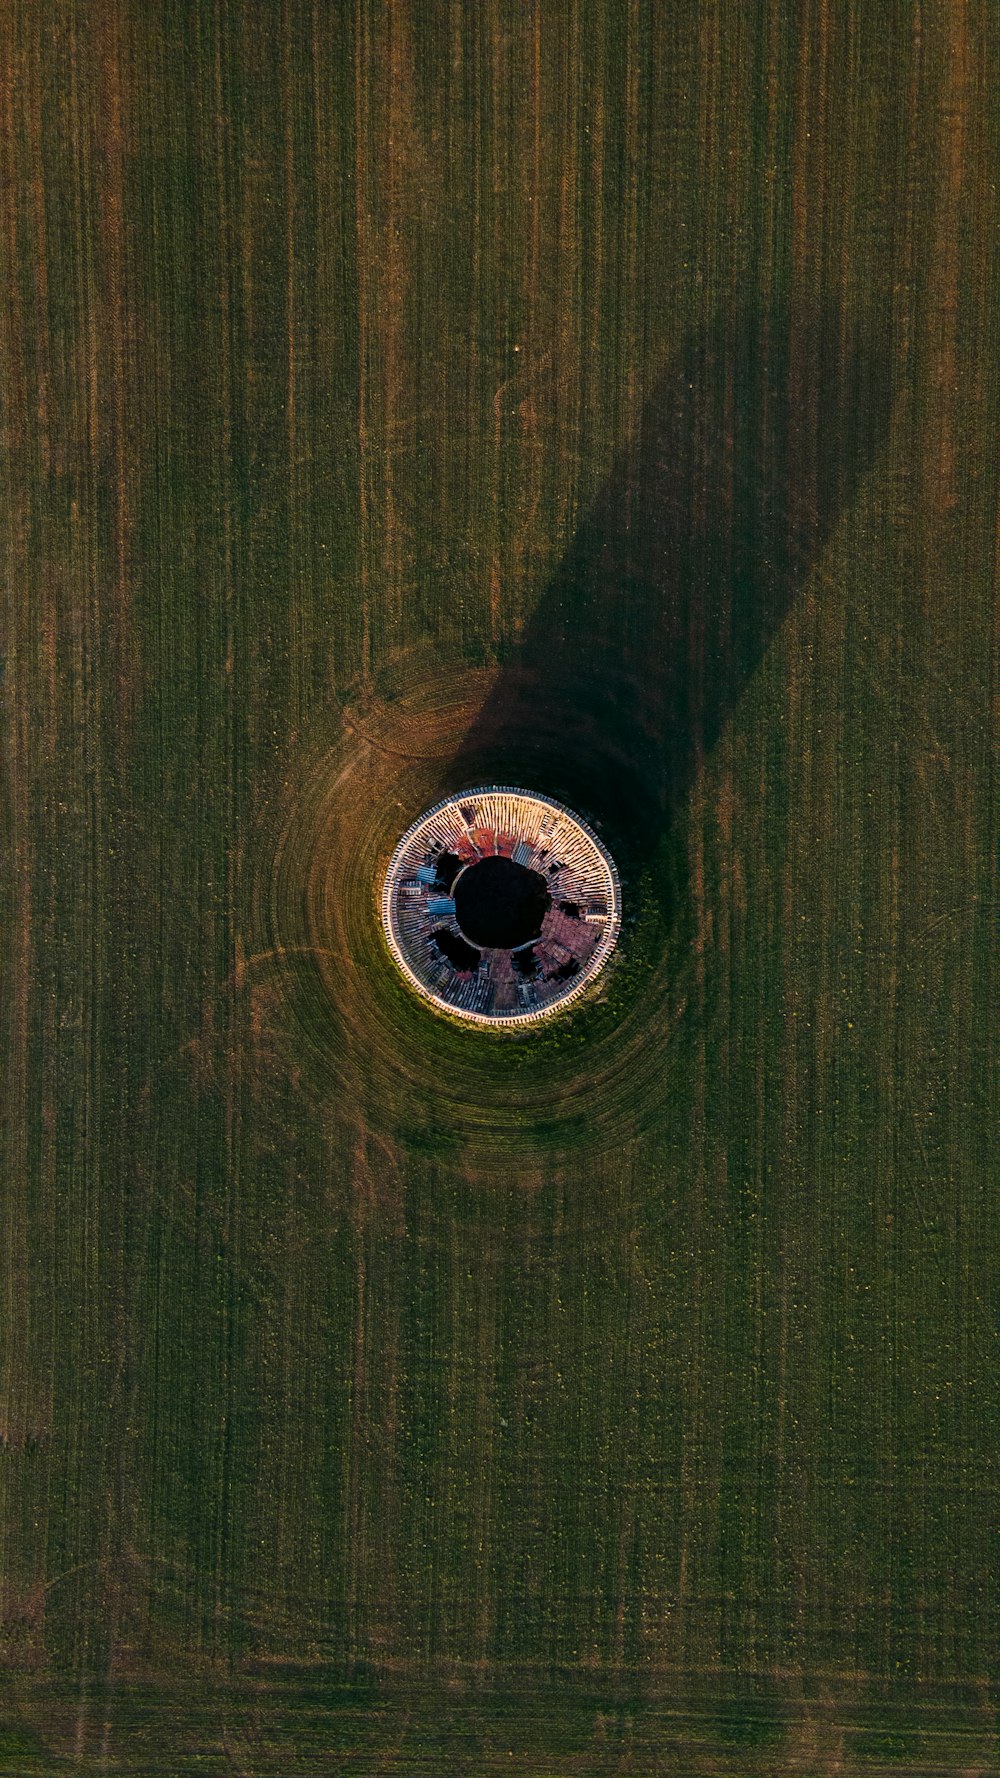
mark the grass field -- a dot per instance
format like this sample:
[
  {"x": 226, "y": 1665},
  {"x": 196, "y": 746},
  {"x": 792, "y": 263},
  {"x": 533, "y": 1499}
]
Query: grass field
[{"x": 401, "y": 394}]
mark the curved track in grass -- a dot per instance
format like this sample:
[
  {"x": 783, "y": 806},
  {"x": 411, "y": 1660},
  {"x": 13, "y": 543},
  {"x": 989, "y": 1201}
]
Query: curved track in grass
[{"x": 349, "y": 1025}]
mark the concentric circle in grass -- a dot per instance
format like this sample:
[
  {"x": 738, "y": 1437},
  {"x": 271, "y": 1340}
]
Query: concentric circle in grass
[{"x": 353, "y": 1031}]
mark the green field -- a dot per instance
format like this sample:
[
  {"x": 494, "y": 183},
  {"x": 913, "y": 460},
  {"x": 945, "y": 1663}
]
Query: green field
[{"x": 402, "y": 394}]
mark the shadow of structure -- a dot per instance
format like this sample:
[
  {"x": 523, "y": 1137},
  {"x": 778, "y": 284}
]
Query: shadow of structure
[{"x": 751, "y": 446}]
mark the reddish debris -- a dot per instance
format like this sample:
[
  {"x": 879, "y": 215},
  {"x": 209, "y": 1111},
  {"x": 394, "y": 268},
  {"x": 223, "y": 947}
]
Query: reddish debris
[
  {"x": 577, "y": 937},
  {"x": 503, "y": 979}
]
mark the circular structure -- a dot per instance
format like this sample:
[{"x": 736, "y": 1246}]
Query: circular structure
[{"x": 500, "y": 906}]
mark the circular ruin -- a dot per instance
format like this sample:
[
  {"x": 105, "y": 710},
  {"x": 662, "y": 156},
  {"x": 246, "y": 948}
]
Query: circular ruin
[{"x": 500, "y": 906}]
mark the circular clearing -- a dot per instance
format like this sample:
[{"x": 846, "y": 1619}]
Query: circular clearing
[
  {"x": 334, "y": 1024},
  {"x": 500, "y": 906}
]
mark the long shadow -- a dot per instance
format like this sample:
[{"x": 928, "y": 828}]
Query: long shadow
[{"x": 751, "y": 447}]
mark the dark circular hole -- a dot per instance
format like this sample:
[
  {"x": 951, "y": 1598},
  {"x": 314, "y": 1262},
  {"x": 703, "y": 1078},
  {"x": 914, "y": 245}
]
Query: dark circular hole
[
  {"x": 454, "y": 947},
  {"x": 500, "y": 904}
]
